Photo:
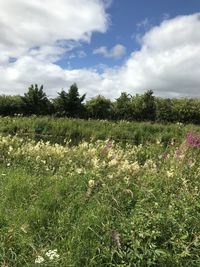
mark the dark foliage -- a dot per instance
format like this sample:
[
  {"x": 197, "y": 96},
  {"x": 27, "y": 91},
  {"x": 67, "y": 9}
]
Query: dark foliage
[{"x": 145, "y": 107}]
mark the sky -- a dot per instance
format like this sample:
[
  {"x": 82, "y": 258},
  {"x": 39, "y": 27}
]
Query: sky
[{"x": 105, "y": 46}]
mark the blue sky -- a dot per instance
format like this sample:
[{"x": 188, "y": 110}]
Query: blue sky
[
  {"x": 105, "y": 46},
  {"x": 129, "y": 19}
]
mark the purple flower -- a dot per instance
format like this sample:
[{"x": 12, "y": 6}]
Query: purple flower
[
  {"x": 190, "y": 138},
  {"x": 193, "y": 140},
  {"x": 109, "y": 144}
]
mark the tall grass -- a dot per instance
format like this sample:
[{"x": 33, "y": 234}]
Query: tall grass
[
  {"x": 99, "y": 204},
  {"x": 76, "y": 130}
]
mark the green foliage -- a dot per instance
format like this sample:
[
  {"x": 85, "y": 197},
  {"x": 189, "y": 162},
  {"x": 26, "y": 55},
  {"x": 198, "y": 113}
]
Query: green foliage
[
  {"x": 164, "y": 110},
  {"x": 123, "y": 108},
  {"x": 70, "y": 104},
  {"x": 35, "y": 101},
  {"x": 186, "y": 110},
  {"x": 144, "y": 107},
  {"x": 98, "y": 204},
  {"x": 76, "y": 130},
  {"x": 99, "y": 108},
  {"x": 10, "y": 105}
]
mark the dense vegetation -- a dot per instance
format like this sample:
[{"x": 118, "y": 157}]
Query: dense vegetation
[
  {"x": 77, "y": 130},
  {"x": 97, "y": 192},
  {"x": 100, "y": 203},
  {"x": 70, "y": 104}
]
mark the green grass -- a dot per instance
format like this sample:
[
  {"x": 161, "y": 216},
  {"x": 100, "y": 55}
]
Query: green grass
[
  {"x": 76, "y": 130},
  {"x": 99, "y": 204}
]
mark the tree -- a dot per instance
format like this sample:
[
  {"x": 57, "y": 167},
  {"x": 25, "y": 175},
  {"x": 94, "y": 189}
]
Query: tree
[
  {"x": 122, "y": 107},
  {"x": 144, "y": 106},
  {"x": 35, "y": 101},
  {"x": 149, "y": 106},
  {"x": 10, "y": 105},
  {"x": 186, "y": 110},
  {"x": 164, "y": 110},
  {"x": 70, "y": 103},
  {"x": 99, "y": 108}
]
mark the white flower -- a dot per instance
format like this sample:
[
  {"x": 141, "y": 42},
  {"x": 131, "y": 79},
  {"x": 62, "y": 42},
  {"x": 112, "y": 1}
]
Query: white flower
[
  {"x": 158, "y": 142},
  {"x": 79, "y": 170},
  {"x": 8, "y": 164},
  {"x": 10, "y": 148},
  {"x": 91, "y": 183},
  {"x": 39, "y": 259},
  {"x": 52, "y": 254},
  {"x": 170, "y": 174}
]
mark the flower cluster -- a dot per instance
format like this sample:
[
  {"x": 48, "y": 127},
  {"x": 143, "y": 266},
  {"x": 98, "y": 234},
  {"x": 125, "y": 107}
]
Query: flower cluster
[
  {"x": 49, "y": 255},
  {"x": 193, "y": 140},
  {"x": 100, "y": 160}
]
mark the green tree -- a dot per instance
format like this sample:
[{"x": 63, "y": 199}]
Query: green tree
[
  {"x": 144, "y": 106},
  {"x": 10, "y": 105},
  {"x": 35, "y": 101},
  {"x": 70, "y": 103},
  {"x": 122, "y": 107},
  {"x": 164, "y": 110},
  {"x": 186, "y": 110},
  {"x": 99, "y": 107}
]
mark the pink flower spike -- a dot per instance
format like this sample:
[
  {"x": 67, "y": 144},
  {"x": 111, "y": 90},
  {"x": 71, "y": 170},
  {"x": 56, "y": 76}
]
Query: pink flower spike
[{"x": 109, "y": 144}]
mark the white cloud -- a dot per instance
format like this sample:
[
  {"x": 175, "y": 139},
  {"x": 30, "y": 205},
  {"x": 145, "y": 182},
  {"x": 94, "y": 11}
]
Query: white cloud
[
  {"x": 35, "y": 23},
  {"x": 27, "y": 70},
  {"x": 168, "y": 63},
  {"x": 116, "y": 52},
  {"x": 101, "y": 51},
  {"x": 107, "y": 3},
  {"x": 144, "y": 24},
  {"x": 81, "y": 54}
]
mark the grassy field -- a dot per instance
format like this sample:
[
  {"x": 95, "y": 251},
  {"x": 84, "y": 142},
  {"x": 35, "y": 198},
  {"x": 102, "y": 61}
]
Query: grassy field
[
  {"x": 99, "y": 203},
  {"x": 76, "y": 130}
]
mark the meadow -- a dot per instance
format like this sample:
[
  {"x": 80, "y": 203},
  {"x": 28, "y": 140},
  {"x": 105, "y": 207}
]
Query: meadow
[
  {"x": 56, "y": 130},
  {"x": 102, "y": 194}
]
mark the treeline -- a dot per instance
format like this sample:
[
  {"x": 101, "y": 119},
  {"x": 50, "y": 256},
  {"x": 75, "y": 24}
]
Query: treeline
[{"x": 145, "y": 107}]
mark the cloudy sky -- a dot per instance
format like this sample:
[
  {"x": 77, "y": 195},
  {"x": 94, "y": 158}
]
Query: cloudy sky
[{"x": 105, "y": 46}]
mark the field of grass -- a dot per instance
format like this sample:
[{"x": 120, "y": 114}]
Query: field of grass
[
  {"x": 76, "y": 130},
  {"x": 99, "y": 203}
]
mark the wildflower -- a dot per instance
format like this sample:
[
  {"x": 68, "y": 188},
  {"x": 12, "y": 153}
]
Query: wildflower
[
  {"x": 109, "y": 144},
  {"x": 172, "y": 142},
  {"x": 91, "y": 183},
  {"x": 193, "y": 140},
  {"x": 165, "y": 155},
  {"x": 113, "y": 162},
  {"x": 79, "y": 170},
  {"x": 8, "y": 164},
  {"x": 158, "y": 142},
  {"x": 190, "y": 138},
  {"x": 24, "y": 228},
  {"x": 170, "y": 174},
  {"x": 10, "y": 149},
  {"x": 179, "y": 154},
  {"x": 39, "y": 259},
  {"x": 52, "y": 254},
  {"x": 135, "y": 166},
  {"x": 149, "y": 164},
  {"x": 191, "y": 163}
]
